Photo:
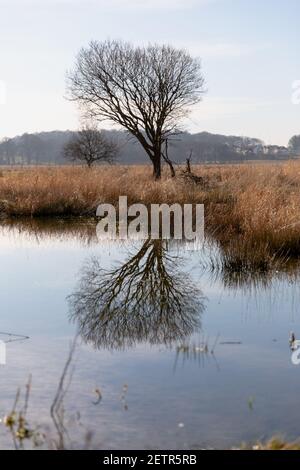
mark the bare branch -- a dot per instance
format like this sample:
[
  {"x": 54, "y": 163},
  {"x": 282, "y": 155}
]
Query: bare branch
[
  {"x": 90, "y": 146},
  {"x": 146, "y": 90}
]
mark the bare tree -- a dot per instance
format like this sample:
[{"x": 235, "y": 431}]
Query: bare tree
[
  {"x": 145, "y": 299},
  {"x": 146, "y": 90},
  {"x": 91, "y": 146}
]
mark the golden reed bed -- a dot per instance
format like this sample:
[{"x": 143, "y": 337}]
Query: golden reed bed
[{"x": 256, "y": 205}]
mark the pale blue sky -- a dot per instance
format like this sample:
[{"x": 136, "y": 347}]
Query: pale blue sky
[{"x": 250, "y": 53}]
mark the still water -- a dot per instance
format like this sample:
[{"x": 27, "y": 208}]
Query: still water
[{"x": 182, "y": 358}]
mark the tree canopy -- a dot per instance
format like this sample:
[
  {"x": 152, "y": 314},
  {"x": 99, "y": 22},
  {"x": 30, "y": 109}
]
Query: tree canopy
[{"x": 146, "y": 90}]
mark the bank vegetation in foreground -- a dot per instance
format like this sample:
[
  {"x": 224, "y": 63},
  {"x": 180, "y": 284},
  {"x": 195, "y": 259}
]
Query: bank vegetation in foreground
[{"x": 253, "y": 211}]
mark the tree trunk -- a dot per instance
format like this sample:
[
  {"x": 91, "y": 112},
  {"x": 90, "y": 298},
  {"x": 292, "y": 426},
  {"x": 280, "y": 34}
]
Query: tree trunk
[
  {"x": 167, "y": 159},
  {"x": 173, "y": 173},
  {"x": 157, "y": 165}
]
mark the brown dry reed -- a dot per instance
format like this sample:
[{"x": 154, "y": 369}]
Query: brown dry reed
[{"x": 252, "y": 210}]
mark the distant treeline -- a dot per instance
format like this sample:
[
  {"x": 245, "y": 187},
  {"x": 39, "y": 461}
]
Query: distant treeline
[{"x": 47, "y": 148}]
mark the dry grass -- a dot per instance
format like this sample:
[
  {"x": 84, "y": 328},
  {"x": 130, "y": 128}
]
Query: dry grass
[
  {"x": 257, "y": 206},
  {"x": 275, "y": 443}
]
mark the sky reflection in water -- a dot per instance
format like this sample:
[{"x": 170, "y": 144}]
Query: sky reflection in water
[{"x": 168, "y": 302}]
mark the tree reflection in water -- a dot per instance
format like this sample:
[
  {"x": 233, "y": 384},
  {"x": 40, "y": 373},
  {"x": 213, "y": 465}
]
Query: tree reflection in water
[{"x": 148, "y": 298}]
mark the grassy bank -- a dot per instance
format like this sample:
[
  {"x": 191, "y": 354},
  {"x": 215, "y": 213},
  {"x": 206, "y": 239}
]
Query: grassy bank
[
  {"x": 275, "y": 443},
  {"x": 252, "y": 210}
]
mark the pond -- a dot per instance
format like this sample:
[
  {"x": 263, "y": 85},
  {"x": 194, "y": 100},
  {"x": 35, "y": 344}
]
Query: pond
[{"x": 169, "y": 355}]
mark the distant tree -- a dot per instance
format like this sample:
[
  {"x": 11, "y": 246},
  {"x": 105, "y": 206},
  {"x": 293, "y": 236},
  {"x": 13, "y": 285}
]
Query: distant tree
[
  {"x": 90, "y": 146},
  {"x": 30, "y": 148},
  {"x": 294, "y": 144},
  {"x": 146, "y": 90},
  {"x": 7, "y": 151}
]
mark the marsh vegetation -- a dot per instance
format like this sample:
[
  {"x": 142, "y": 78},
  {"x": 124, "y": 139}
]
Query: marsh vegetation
[{"x": 253, "y": 211}]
